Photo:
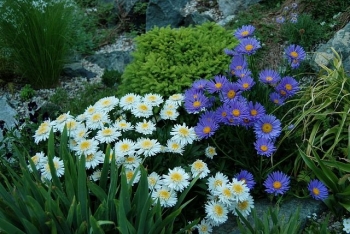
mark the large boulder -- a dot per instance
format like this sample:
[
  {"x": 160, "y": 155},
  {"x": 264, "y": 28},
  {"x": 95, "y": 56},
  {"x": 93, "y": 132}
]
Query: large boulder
[
  {"x": 341, "y": 43},
  {"x": 7, "y": 114},
  {"x": 116, "y": 60},
  {"x": 162, "y": 13},
  {"x": 230, "y": 7}
]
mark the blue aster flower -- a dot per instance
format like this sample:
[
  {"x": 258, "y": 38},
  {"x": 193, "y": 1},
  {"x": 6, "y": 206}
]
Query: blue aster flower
[
  {"x": 280, "y": 19},
  {"x": 195, "y": 101},
  {"x": 221, "y": 113},
  {"x": 268, "y": 126},
  {"x": 238, "y": 111},
  {"x": 247, "y": 178},
  {"x": 230, "y": 52},
  {"x": 287, "y": 87},
  {"x": 317, "y": 190},
  {"x": 216, "y": 84},
  {"x": 269, "y": 76},
  {"x": 264, "y": 147},
  {"x": 295, "y": 54},
  {"x": 243, "y": 73},
  {"x": 205, "y": 129},
  {"x": 200, "y": 84},
  {"x": 238, "y": 62},
  {"x": 244, "y": 31},
  {"x": 256, "y": 110},
  {"x": 245, "y": 83},
  {"x": 277, "y": 183},
  {"x": 277, "y": 98},
  {"x": 229, "y": 92},
  {"x": 248, "y": 46},
  {"x": 208, "y": 116}
]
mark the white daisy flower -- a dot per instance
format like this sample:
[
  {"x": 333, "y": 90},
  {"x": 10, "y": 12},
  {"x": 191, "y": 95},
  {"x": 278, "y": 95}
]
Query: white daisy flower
[
  {"x": 219, "y": 180},
  {"x": 170, "y": 105},
  {"x": 129, "y": 100},
  {"x": 92, "y": 160},
  {"x": 72, "y": 126},
  {"x": 119, "y": 159},
  {"x": 132, "y": 161},
  {"x": 153, "y": 99},
  {"x": 108, "y": 135},
  {"x": 86, "y": 147},
  {"x": 124, "y": 147},
  {"x": 81, "y": 117},
  {"x": 81, "y": 133},
  {"x": 130, "y": 174},
  {"x": 225, "y": 194},
  {"x": 182, "y": 134},
  {"x": 244, "y": 207},
  {"x": 61, "y": 121},
  {"x": 174, "y": 147},
  {"x": 176, "y": 99},
  {"x": 210, "y": 152},
  {"x": 148, "y": 147},
  {"x": 199, "y": 168},
  {"x": 37, "y": 160},
  {"x": 90, "y": 110},
  {"x": 216, "y": 212},
  {"x": 166, "y": 196},
  {"x": 204, "y": 227},
  {"x": 45, "y": 168},
  {"x": 176, "y": 179},
  {"x": 122, "y": 125},
  {"x": 106, "y": 104},
  {"x": 43, "y": 131},
  {"x": 154, "y": 181},
  {"x": 142, "y": 109},
  {"x": 239, "y": 189},
  {"x": 145, "y": 127},
  {"x": 96, "y": 175},
  {"x": 169, "y": 113},
  {"x": 97, "y": 120}
]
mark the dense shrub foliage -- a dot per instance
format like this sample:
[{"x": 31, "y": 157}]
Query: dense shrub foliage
[{"x": 167, "y": 60}]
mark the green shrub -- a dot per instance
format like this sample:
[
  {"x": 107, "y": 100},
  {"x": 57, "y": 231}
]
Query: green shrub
[
  {"x": 37, "y": 35},
  {"x": 325, "y": 10},
  {"x": 27, "y": 92},
  {"x": 167, "y": 61},
  {"x": 305, "y": 32},
  {"x": 109, "y": 78}
]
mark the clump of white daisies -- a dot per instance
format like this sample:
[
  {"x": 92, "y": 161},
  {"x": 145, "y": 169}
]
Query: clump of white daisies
[{"x": 106, "y": 122}]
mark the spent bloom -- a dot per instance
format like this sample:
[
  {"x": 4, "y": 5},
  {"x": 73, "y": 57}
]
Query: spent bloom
[
  {"x": 277, "y": 183},
  {"x": 317, "y": 190},
  {"x": 210, "y": 152}
]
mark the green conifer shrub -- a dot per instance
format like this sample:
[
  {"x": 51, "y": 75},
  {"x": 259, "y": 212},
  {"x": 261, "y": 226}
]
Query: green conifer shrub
[{"x": 167, "y": 61}]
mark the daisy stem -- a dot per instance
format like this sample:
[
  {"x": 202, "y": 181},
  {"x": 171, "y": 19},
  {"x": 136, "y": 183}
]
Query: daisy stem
[{"x": 217, "y": 146}]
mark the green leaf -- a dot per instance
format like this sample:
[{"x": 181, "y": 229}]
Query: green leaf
[
  {"x": 82, "y": 190},
  {"x": 7, "y": 227}
]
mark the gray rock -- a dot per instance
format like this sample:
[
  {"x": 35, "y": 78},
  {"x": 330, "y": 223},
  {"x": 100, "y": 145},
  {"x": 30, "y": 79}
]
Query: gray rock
[
  {"x": 195, "y": 18},
  {"x": 7, "y": 114},
  {"x": 341, "y": 43},
  {"x": 162, "y": 13},
  {"x": 77, "y": 70},
  {"x": 116, "y": 60},
  {"x": 230, "y": 7},
  {"x": 306, "y": 208}
]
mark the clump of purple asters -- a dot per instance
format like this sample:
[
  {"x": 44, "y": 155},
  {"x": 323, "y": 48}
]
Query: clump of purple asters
[
  {"x": 268, "y": 126},
  {"x": 247, "y": 178},
  {"x": 287, "y": 87},
  {"x": 269, "y": 76},
  {"x": 215, "y": 85},
  {"x": 317, "y": 190},
  {"x": 244, "y": 32},
  {"x": 277, "y": 98},
  {"x": 295, "y": 54},
  {"x": 277, "y": 183},
  {"x": 248, "y": 46},
  {"x": 264, "y": 147}
]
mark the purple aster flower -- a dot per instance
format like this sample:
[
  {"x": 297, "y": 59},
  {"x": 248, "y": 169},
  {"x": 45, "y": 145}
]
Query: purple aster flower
[
  {"x": 244, "y": 31},
  {"x": 294, "y": 19},
  {"x": 280, "y": 19},
  {"x": 317, "y": 190},
  {"x": 256, "y": 110},
  {"x": 264, "y": 147},
  {"x": 295, "y": 54},
  {"x": 195, "y": 101},
  {"x": 208, "y": 116},
  {"x": 287, "y": 87},
  {"x": 238, "y": 62},
  {"x": 268, "y": 126},
  {"x": 277, "y": 183},
  {"x": 269, "y": 76},
  {"x": 246, "y": 177},
  {"x": 200, "y": 84},
  {"x": 277, "y": 98},
  {"x": 243, "y": 73},
  {"x": 245, "y": 83},
  {"x": 217, "y": 84},
  {"x": 238, "y": 111},
  {"x": 248, "y": 46},
  {"x": 230, "y": 52},
  {"x": 221, "y": 113},
  {"x": 229, "y": 92},
  {"x": 205, "y": 129}
]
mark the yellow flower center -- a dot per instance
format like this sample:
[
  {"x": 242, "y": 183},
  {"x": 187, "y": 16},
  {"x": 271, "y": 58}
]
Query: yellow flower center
[
  {"x": 130, "y": 99},
  {"x": 176, "y": 176},
  {"x": 231, "y": 94},
  {"x": 264, "y": 148},
  {"x": 276, "y": 101},
  {"x": 316, "y": 191},
  {"x": 106, "y": 102},
  {"x": 237, "y": 188},
  {"x": 107, "y": 132},
  {"x": 89, "y": 158},
  {"x": 253, "y": 112},
  {"x": 196, "y": 103},
  {"x": 164, "y": 194},
  {"x": 236, "y": 112},
  {"x": 146, "y": 144},
  {"x": 239, "y": 67},
  {"x": 198, "y": 165},
  {"x": 269, "y": 78},
  {"x": 244, "y": 33},
  {"x": 249, "y": 47},
  {"x": 218, "y": 85},
  {"x": 282, "y": 92},
  {"x": 183, "y": 131},
  {"x": 277, "y": 185},
  {"x": 266, "y": 128},
  {"x": 35, "y": 159},
  {"x": 42, "y": 130},
  {"x": 96, "y": 117},
  {"x": 125, "y": 147},
  {"x": 129, "y": 175},
  {"x": 219, "y": 211},
  {"x": 243, "y": 205},
  {"x": 143, "y": 107},
  {"x": 226, "y": 192},
  {"x": 206, "y": 130},
  {"x": 217, "y": 183},
  {"x": 85, "y": 145},
  {"x": 223, "y": 114},
  {"x": 245, "y": 85},
  {"x": 294, "y": 54},
  {"x": 288, "y": 87},
  {"x": 130, "y": 159}
]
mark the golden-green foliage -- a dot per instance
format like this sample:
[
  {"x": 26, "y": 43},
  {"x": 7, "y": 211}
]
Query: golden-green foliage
[{"x": 167, "y": 61}]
